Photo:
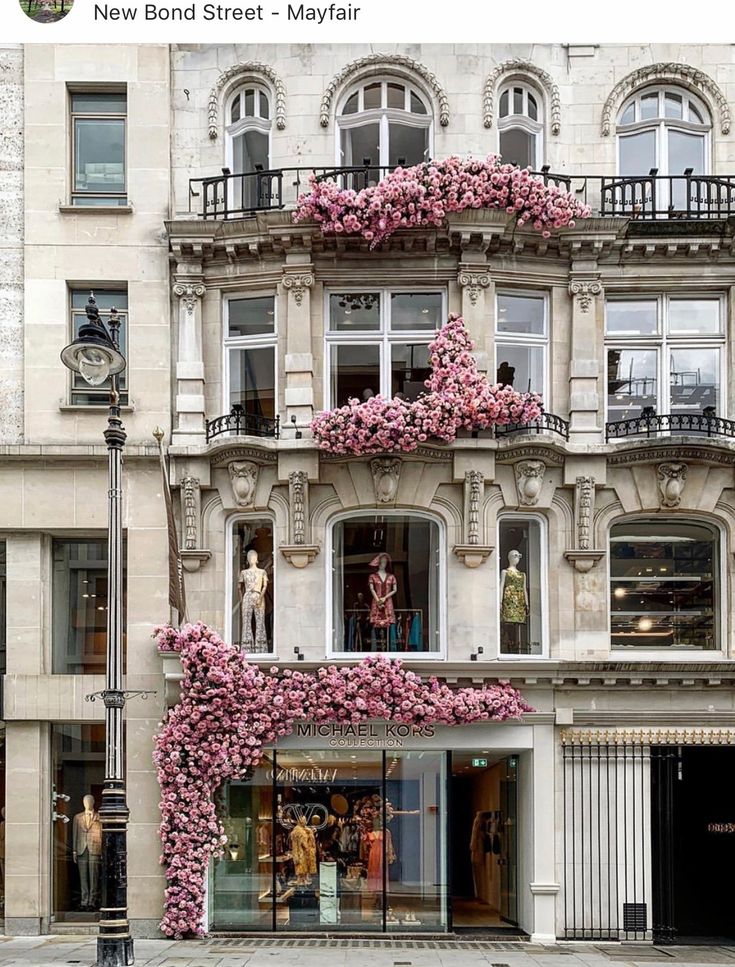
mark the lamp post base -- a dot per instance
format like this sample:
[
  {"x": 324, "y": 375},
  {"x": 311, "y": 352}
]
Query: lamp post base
[{"x": 115, "y": 952}]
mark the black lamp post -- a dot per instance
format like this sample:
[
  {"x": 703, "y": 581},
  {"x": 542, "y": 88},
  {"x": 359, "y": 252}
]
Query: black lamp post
[{"x": 95, "y": 355}]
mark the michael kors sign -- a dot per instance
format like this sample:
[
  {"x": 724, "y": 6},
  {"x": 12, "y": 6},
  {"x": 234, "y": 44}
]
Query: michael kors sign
[{"x": 363, "y": 735}]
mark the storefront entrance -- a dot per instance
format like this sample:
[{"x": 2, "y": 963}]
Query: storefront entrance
[{"x": 368, "y": 841}]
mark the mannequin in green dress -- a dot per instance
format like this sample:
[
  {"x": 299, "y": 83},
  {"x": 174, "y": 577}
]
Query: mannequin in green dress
[{"x": 513, "y": 602}]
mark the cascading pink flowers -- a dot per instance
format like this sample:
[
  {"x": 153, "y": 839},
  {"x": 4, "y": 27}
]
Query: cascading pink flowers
[
  {"x": 230, "y": 710},
  {"x": 459, "y": 397},
  {"x": 426, "y": 193}
]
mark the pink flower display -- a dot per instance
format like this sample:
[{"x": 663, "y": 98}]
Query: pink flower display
[
  {"x": 459, "y": 397},
  {"x": 426, "y": 193},
  {"x": 230, "y": 710}
]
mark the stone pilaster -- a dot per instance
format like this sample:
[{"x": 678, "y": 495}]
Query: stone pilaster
[
  {"x": 190, "y": 416},
  {"x": 298, "y": 280},
  {"x": 478, "y": 310},
  {"x": 585, "y": 403}
]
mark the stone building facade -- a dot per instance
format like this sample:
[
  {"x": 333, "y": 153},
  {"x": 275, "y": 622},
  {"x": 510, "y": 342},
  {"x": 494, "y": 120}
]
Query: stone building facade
[{"x": 619, "y": 500}]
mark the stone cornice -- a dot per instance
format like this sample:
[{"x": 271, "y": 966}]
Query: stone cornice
[{"x": 75, "y": 453}]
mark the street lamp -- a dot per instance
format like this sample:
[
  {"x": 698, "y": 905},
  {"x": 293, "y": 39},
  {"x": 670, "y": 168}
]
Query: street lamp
[{"x": 95, "y": 355}]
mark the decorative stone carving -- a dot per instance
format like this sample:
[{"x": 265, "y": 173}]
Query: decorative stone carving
[
  {"x": 521, "y": 67},
  {"x": 672, "y": 478},
  {"x": 188, "y": 293},
  {"x": 378, "y": 64},
  {"x": 473, "y": 551},
  {"x": 299, "y": 552},
  {"x": 386, "y": 476},
  {"x": 244, "y": 479},
  {"x": 529, "y": 481},
  {"x": 190, "y": 504},
  {"x": 584, "y": 290},
  {"x": 474, "y": 282},
  {"x": 664, "y": 73},
  {"x": 297, "y": 284},
  {"x": 244, "y": 70},
  {"x": 583, "y": 556}
]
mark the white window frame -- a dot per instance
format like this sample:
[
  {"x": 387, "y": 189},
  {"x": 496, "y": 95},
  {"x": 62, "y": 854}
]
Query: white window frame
[
  {"x": 442, "y": 596},
  {"x": 662, "y": 343},
  {"x": 383, "y": 116},
  {"x": 526, "y": 339},
  {"x": 247, "y": 123},
  {"x": 722, "y": 596},
  {"x": 543, "y": 584},
  {"x": 122, "y": 197},
  {"x": 523, "y": 121},
  {"x": 229, "y": 621},
  {"x": 383, "y": 337},
  {"x": 261, "y": 341}
]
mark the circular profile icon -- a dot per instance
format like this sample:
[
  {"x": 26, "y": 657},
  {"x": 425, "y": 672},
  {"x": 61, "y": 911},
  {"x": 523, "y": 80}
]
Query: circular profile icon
[{"x": 46, "y": 11}]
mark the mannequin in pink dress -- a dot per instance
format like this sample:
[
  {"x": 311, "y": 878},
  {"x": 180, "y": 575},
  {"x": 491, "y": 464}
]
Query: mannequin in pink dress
[
  {"x": 375, "y": 858},
  {"x": 383, "y": 588}
]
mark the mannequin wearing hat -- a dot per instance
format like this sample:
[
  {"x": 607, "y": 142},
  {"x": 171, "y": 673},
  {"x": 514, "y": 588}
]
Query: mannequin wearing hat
[{"x": 383, "y": 588}]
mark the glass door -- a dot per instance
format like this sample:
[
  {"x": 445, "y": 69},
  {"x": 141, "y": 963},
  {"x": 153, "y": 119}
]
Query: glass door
[{"x": 508, "y": 860}]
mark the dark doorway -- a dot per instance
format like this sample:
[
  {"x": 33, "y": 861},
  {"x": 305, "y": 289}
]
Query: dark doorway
[{"x": 693, "y": 813}]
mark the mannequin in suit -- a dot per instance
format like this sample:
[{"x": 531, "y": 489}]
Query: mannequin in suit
[{"x": 87, "y": 852}]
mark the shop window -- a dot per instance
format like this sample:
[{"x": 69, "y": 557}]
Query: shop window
[
  {"x": 252, "y": 585},
  {"x": 521, "y": 342},
  {"x": 520, "y": 126},
  {"x": 664, "y": 583},
  {"x": 250, "y": 355},
  {"x": 378, "y": 343},
  {"x": 665, "y": 355},
  {"x": 77, "y": 770},
  {"x": 98, "y": 123},
  {"x": 82, "y": 394},
  {"x": 3, "y": 608},
  {"x": 521, "y": 582},
  {"x": 666, "y": 129},
  {"x": 79, "y": 605},
  {"x": 248, "y": 132},
  {"x": 386, "y": 584},
  {"x": 382, "y": 124}
]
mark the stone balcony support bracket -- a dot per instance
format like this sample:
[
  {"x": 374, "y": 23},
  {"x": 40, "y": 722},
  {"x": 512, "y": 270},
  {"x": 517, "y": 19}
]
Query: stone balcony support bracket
[
  {"x": 583, "y": 556},
  {"x": 473, "y": 551},
  {"x": 299, "y": 551}
]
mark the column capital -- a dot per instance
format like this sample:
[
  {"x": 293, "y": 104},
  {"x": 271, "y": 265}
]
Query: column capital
[
  {"x": 584, "y": 291},
  {"x": 297, "y": 281},
  {"x": 474, "y": 278},
  {"x": 188, "y": 293}
]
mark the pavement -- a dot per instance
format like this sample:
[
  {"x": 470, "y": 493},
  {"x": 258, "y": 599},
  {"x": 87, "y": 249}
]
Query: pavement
[{"x": 62, "y": 951}]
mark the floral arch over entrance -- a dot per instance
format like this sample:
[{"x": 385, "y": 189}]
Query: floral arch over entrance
[{"x": 231, "y": 709}]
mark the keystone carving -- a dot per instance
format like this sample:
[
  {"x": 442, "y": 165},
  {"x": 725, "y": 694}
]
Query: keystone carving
[
  {"x": 386, "y": 477},
  {"x": 244, "y": 480},
  {"x": 474, "y": 282},
  {"x": 672, "y": 478},
  {"x": 529, "y": 481},
  {"x": 584, "y": 290},
  {"x": 298, "y": 284}
]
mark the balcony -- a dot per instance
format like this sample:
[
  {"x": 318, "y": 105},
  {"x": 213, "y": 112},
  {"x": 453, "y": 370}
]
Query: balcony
[
  {"x": 650, "y": 425},
  {"x": 645, "y": 198},
  {"x": 546, "y": 423},
  {"x": 239, "y": 423}
]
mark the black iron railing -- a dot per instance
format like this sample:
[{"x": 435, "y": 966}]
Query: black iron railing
[
  {"x": 239, "y": 423},
  {"x": 668, "y": 423},
  {"x": 655, "y": 196},
  {"x": 546, "y": 423}
]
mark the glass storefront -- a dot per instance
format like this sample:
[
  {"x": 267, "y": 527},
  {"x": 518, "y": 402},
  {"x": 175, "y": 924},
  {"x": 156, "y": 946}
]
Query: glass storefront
[{"x": 320, "y": 840}]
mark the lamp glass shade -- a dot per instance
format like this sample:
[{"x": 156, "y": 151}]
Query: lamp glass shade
[{"x": 93, "y": 357}]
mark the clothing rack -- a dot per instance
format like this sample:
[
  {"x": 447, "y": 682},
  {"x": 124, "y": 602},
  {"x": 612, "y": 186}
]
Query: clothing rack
[{"x": 364, "y": 637}]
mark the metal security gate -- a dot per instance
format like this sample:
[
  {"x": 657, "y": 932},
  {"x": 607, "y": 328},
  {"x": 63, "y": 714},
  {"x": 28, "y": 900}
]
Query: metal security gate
[{"x": 606, "y": 841}]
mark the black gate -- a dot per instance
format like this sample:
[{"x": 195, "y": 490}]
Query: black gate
[{"x": 606, "y": 841}]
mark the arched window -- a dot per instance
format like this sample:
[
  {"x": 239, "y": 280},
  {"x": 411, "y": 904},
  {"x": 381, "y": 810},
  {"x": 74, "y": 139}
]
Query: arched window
[
  {"x": 386, "y": 594},
  {"x": 666, "y": 129},
  {"x": 520, "y": 126},
  {"x": 383, "y": 124},
  {"x": 664, "y": 584},
  {"x": 248, "y": 130},
  {"x": 521, "y": 584}
]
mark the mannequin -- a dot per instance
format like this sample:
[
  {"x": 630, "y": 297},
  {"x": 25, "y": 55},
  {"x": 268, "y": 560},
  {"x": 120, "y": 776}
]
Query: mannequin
[
  {"x": 87, "y": 851},
  {"x": 375, "y": 857},
  {"x": 513, "y": 599},
  {"x": 253, "y": 583},
  {"x": 383, "y": 588},
  {"x": 303, "y": 848}
]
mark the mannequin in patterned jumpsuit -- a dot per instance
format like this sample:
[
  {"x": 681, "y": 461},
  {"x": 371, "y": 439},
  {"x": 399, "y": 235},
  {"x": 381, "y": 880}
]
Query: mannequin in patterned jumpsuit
[{"x": 253, "y": 582}]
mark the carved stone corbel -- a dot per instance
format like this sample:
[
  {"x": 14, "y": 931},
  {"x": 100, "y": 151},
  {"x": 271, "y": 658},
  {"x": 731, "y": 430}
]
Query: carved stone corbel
[
  {"x": 473, "y": 552},
  {"x": 244, "y": 480},
  {"x": 583, "y": 556},
  {"x": 672, "y": 478},
  {"x": 386, "y": 473},
  {"x": 529, "y": 481},
  {"x": 299, "y": 551},
  {"x": 192, "y": 554}
]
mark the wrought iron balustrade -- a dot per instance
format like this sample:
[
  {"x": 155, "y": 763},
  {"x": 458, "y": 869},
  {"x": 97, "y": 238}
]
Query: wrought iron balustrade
[
  {"x": 546, "y": 423},
  {"x": 239, "y": 423},
  {"x": 671, "y": 423},
  {"x": 654, "y": 196}
]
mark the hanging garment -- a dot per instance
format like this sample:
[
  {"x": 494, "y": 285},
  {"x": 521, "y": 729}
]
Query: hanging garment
[
  {"x": 351, "y": 630},
  {"x": 416, "y": 634},
  {"x": 392, "y": 638},
  {"x": 375, "y": 857}
]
